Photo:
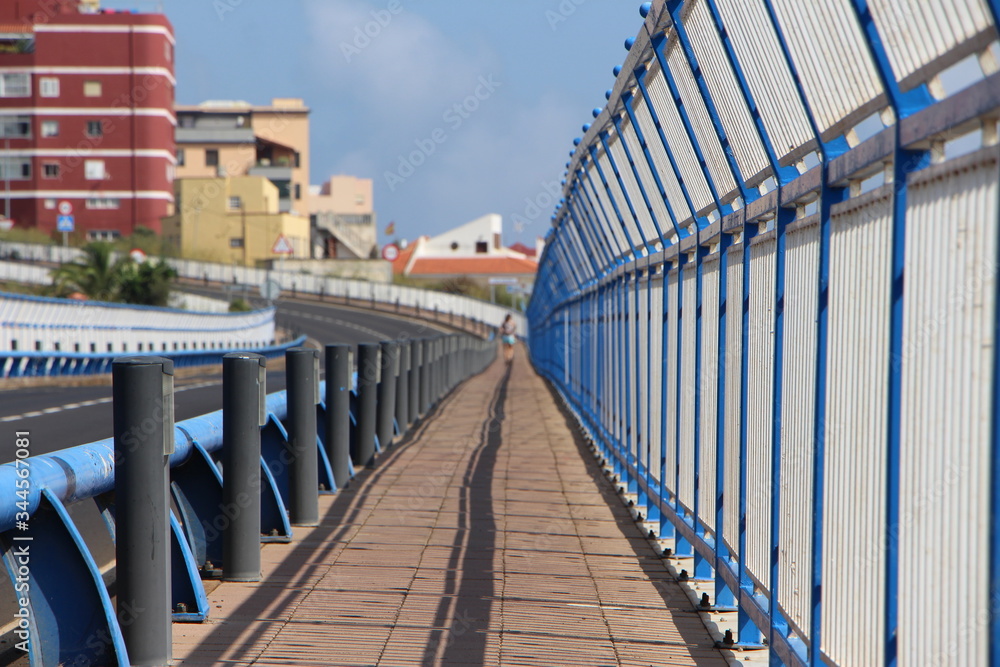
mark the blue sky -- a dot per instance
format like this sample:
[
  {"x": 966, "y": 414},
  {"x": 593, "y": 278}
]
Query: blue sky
[{"x": 524, "y": 74}]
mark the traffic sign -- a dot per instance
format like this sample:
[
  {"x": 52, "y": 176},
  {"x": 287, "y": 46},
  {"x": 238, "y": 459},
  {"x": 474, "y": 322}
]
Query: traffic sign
[
  {"x": 282, "y": 246},
  {"x": 65, "y": 223},
  {"x": 137, "y": 255},
  {"x": 65, "y": 207},
  {"x": 390, "y": 252},
  {"x": 6, "y": 224}
]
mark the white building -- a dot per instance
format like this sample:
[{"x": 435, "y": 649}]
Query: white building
[{"x": 474, "y": 250}]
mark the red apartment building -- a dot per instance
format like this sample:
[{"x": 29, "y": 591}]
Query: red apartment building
[{"x": 86, "y": 116}]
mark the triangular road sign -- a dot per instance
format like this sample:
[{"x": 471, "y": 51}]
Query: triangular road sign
[{"x": 282, "y": 246}]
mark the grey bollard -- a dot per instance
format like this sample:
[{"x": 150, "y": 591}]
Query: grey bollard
[
  {"x": 244, "y": 411},
  {"x": 403, "y": 387},
  {"x": 436, "y": 374},
  {"x": 143, "y": 395},
  {"x": 363, "y": 447},
  {"x": 303, "y": 394},
  {"x": 388, "y": 368},
  {"x": 425, "y": 376},
  {"x": 338, "y": 412},
  {"x": 416, "y": 358},
  {"x": 430, "y": 363}
]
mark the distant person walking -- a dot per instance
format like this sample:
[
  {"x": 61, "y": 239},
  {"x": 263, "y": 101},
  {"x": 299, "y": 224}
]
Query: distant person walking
[{"x": 508, "y": 331}]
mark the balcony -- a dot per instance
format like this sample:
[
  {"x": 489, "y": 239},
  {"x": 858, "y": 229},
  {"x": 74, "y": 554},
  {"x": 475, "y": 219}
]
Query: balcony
[
  {"x": 277, "y": 174},
  {"x": 214, "y": 135}
]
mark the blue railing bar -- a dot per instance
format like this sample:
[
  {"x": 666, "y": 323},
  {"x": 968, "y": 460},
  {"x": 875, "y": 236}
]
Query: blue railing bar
[{"x": 88, "y": 470}]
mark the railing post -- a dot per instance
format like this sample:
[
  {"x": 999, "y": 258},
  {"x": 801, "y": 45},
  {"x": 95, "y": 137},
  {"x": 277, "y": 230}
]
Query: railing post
[
  {"x": 363, "y": 447},
  {"x": 338, "y": 412},
  {"x": 388, "y": 368},
  {"x": 416, "y": 362},
  {"x": 143, "y": 395},
  {"x": 243, "y": 413},
  {"x": 403, "y": 386},
  {"x": 303, "y": 395}
]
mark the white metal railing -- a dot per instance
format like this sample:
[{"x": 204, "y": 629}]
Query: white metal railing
[{"x": 806, "y": 197}]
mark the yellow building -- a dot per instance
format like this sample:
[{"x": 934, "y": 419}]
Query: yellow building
[
  {"x": 232, "y": 220},
  {"x": 235, "y": 138}
]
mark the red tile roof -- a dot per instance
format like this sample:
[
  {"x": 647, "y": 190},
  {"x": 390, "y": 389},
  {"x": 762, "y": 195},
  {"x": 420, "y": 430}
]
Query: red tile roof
[
  {"x": 399, "y": 264},
  {"x": 523, "y": 249},
  {"x": 472, "y": 266}
]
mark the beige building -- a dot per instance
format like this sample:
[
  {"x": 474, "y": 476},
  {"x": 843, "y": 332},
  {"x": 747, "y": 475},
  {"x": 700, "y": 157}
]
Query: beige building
[
  {"x": 343, "y": 218},
  {"x": 233, "y": 220},
  {"x": 235, "y": 138}
]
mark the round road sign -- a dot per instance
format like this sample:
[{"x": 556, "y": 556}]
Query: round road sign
[
  {"x": 65, "y": 208},
  {"x": 390, "y": 252}
]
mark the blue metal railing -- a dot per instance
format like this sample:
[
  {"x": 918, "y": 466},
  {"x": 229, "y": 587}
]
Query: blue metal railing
[
  {"x": 722, "y": 304},
  {"x": 39, "y": 364}
]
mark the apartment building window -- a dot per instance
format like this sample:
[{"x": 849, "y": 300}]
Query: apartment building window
[
  {"x": 235, "y": 203},
  {"x": 15, "y": 169},
  {"x": 180, "y": 157},
  {"x": 235, "y": 243},
  {"x": 50, "y": 170},
  {"x": 103, "y": 235},
  {"x": 15, "y": 127},
  {"x": 211, "y": 157},
  {"x": 298, "y": 159},
  {"x": 95, "y": 128},
  {"x": 15, "y": 85},
  {"x": 298, "y": 191},
  {"x": 48, "y": 86},
  {"x": 50, "y": 204},
  {"x": 94, "y": 170},
  {"x": 92, "y": 89},
  {"x": 482, "y": 247},
  {"x": 50, "y": 128},
  {"x": 103, "y": 203}
]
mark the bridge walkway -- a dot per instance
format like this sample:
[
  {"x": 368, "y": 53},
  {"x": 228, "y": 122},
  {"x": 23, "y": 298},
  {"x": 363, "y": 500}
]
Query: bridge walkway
[{"x": 489, "y": 537}]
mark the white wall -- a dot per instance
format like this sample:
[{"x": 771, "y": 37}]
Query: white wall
[
  {"x": 30, "y": 324},
  {"x": 466, "y": 236}
]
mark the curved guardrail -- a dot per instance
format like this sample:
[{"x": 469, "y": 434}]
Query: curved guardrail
[
  {"x": 422, "y": 302},
  {"x": 770, "y": 296},
  {"x": 55, "y": 326},
  {"x": 63, "y": 612},
  {"x": 39, "y": 364}
]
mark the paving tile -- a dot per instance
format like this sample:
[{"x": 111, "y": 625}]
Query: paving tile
[{"x": 455, "y": 550}]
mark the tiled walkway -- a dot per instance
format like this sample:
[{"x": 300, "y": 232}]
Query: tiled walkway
[{"x": 490, "y": 538}]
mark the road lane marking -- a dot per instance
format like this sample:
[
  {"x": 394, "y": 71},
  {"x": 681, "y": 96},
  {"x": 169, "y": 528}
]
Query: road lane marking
[{"x": 98, "y": 401}]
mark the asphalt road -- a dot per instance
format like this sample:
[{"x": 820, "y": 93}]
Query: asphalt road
[{"x": 60, "y": 417}]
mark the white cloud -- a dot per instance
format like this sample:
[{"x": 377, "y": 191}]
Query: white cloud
[{"x": 395, "y": 91}]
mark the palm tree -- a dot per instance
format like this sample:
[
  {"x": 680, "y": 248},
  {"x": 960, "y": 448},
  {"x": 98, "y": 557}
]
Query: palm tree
[
  {"x": 94, "y": 274},
  {"x": 99, "y": 277}
]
